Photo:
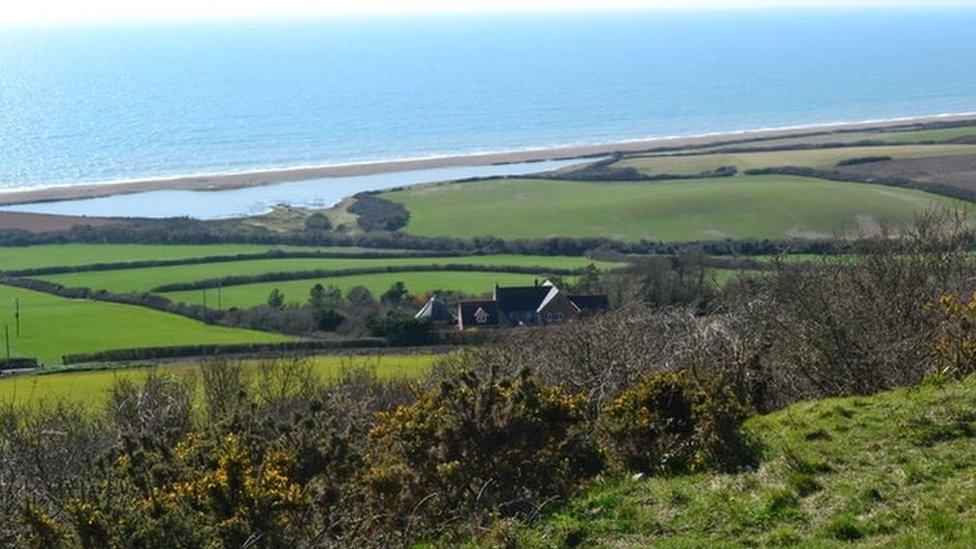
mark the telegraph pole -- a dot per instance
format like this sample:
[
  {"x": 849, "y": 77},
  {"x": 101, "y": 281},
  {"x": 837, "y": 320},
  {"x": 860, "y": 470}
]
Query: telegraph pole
[{"x": 17, "y": 315}]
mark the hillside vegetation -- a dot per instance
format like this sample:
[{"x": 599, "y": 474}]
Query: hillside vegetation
[{"x": 890, "y": 469}]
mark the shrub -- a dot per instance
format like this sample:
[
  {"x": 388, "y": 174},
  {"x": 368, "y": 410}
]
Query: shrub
[
  {"x": 672, "y": 422},
  {"x": 400, "y": 328},
  {"x": 318, "y": 222},
  {"x": 955, "y": 348},
  {"x": 328, "y": 320},
  {"x": 478, "y": 443}
]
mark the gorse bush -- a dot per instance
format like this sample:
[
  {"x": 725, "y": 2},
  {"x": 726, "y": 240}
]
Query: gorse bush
[
  {"x": 955, "y": 348},
  {"x": 674, "y": 422},
  {"x": 479, "y": 442}
]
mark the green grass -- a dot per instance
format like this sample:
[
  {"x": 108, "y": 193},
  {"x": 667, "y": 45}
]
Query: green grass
[
  {"x": 895, "y": 469},
  {"x": 296, "y": 291},
  {"x": 50, "y": 255},
  {"x": 813, "y": 158},
  {"x": 90, "y": 388},
  {"x": 143, "y": 280},
  {"x": 739, "y": 207},
  {"x": 54, "y": 326},
  {"x": 944, "y": 134}
]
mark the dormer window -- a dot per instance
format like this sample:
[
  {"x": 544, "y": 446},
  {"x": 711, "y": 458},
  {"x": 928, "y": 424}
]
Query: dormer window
[{"x": 480, "y": 316}]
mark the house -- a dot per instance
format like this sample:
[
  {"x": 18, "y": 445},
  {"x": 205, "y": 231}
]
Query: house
[
  {"x": 437, "y": 311},
  {"x": 537, "y": 305}
]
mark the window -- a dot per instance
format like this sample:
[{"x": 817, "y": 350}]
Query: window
[{"x": 480, "y": 316}]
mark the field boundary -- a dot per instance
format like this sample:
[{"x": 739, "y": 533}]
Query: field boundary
[
  {"x": 271, "y": 254},
  {"x": 241, "y": 280}
]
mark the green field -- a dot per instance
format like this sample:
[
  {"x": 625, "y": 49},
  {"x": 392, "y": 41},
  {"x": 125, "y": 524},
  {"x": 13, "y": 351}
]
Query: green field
[
  {"x": 814, "y": 158},
  {"x": 944, "y": 134},
  {"x": 296, "y": 291},
  {"x": 890, "y": 470},
  {"x": 90, "y": 388},
  {"x": 700, "y": 209},
  {"x": 145, "y": 279},
  {"x": 53, "y": 326},
  {"x": 50, "y": 255}
]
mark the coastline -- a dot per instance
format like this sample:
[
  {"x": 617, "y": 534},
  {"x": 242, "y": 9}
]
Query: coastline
[{"x": 228, "y": 181}]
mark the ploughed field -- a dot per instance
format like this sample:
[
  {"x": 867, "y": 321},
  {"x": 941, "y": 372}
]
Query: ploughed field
[
  {"x": 771, "y": 206},
  {"x": 90, "y": 388}
]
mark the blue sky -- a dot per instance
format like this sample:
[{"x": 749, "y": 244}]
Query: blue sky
[{"x": 41, "y": 11}]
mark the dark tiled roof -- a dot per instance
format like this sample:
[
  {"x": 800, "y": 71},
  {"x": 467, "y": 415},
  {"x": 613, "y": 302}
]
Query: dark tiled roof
[
  {"x": 469, "y": 311},
  {"x": 436, "y": 310},
  {"x": 590, "y": 303},
  {"x": 521, "y": 298}
]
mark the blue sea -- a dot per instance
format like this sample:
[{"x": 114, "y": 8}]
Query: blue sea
[{"x": 92, "y": 104}]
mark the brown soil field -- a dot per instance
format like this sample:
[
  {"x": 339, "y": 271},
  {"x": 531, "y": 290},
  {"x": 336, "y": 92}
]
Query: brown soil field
[
  {"x": 41, "y": 223},
  {"x": 957, "y": 170}
]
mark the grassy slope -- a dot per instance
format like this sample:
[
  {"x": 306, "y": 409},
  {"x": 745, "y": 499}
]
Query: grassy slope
[
  {"x": 419, "y": 283},
  {"x": 896, "y": 468},
  {"x": 141, "y": 280},
  {"x": 740, "y": 207},
  {"x": 816, "y": 158},
  {"x": 52, "y": 326},
  {"x": 81, "y": 254},
  {"x": 90, "y": 388}
]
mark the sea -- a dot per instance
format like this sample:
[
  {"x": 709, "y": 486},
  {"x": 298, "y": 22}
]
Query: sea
[{"x": 116, "y": 102}]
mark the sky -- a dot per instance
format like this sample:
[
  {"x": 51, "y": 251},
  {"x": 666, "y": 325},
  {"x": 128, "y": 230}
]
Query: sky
[{"x": 61, "y": 11}]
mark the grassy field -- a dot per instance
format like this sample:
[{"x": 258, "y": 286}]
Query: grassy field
[
  {"x": 895, "y": 469},
  {"x": 53, "y": 326},
  {"x": 815, "y": 158},
  {"x": 419, "y": 283},
  {"x": 944, "y": 134},
  {"x": 49, "y": 255},
  {"x": 143, "y": 280},
  {"x": 90, "y": 388},
  {"x": 739, "y": 207}
]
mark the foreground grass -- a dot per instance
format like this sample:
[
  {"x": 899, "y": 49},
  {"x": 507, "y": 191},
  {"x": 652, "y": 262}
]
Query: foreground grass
[
  {"x": 145, "y": 279},
  {"x": 89, "y": 388},
  {"x": 892, "y": 469},
  {"x": 53, "y": 326},
  {"x": 297, "y": 291},
  {"x": 738, "y": 207},
  {"x": 812, "y": 158}
]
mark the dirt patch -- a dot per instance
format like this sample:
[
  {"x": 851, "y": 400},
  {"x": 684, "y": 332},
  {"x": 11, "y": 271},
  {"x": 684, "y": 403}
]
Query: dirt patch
[
  {"x": 867, "y": 224},
  {"x": 953, "y": 170},
  {"x": 43, "y": 223}
]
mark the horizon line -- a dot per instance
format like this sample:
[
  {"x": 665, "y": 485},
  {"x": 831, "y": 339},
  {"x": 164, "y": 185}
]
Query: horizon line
[{"x": 258, "y": 17}]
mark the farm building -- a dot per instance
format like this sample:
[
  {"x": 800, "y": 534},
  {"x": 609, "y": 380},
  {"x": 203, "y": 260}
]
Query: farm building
[{"x": 537, "y": 305}]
